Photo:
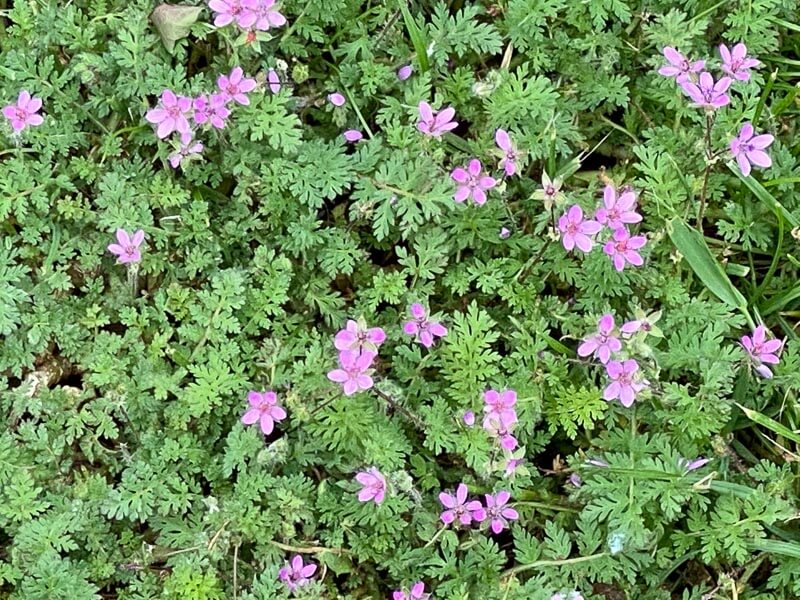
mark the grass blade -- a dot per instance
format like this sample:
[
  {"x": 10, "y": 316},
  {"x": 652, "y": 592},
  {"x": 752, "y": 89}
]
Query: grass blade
[
  {"x": 762, "y": 194},
  {"x": 771, "y": 424},
  {"x": 416, "y": 35}
]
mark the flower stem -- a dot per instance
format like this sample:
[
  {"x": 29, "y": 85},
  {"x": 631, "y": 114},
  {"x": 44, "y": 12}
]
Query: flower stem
[
  {"x": 435, "y": 537},
  {"x": 552, "y": 563},
  {"x": 708, "y": 157}
]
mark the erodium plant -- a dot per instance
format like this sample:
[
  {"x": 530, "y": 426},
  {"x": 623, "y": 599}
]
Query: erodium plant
[{"x": 452, "y": 300}]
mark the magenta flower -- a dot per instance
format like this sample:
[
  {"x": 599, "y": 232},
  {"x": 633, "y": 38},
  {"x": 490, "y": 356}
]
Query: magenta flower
[
  {"x": 468, "y": 418},
  {"x": 296, "y": 574},
  {"x": 679, "y": 66},
  {"x": 622, "y": 248},
  {"x": 748, "y": 149},
  {"x": 760, "y": 350},
  {"x": 353, "y": 135},
  {"x": 624, "y": 384},
  {"x": 228, "y": 11},
  {"x": 211, "y": 110},
  {"x": 404, "y": 72},
  {"x": 457, "y": 507},
  {"x": 187, "y": 151},
  {"x": 706, "y": 93},
  {"x": 274, "y": 81},
  {"x": 267, "y": 15},
  {"x": 170, "y": 115},
  {"x": 23, "y": 113},
  {"x": 603, "y": 343},
  {"x": 435, "y": 124},
  {"x": 508, "y": 162},
  {"x": 336, "y": 99},
  {"x": 618, "y": 210},
  {"x": 472, "y": 182},
  {"x": 235, "y": 86},
  {"x": 691, "y": 465},
  {"x": 374, "y": 485},
  {"x": 511, "y": 465},
  {"x": 127, "y": 248},
  {"x": 356, "y": 336},
  {"x": 505, "y": 233},
  {"x": 500, "y": 403},
  {"x": 419, "y": 326},
  {"x": 497, "y": 511},
  {"x": 417, "y": 592},
  {"x": 576, "y": 230},
  {"x": 499, "y": 426},
  {"x": 264, "y": 409},
  {"x": 735, "y": 62},
  {"x": 353, "y": 372}
]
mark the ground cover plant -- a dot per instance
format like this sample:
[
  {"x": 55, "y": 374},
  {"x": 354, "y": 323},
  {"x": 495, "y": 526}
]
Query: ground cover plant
[{"x": 347, "y": 299}]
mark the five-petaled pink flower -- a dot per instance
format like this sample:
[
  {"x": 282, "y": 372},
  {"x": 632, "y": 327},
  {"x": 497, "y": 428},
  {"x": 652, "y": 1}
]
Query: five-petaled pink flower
[
  {"x": 761, "y": 350},
  {"x": 603, "y": 343},
  {"x": 267, "y": 16},
  {"x": 499, "y": 425},
  {"x": 423, "y": 329},
  {"x": 472, "y": 182},
  {"x": 457, "y": 507},
  {"x": 500, "y": 403},
  {"x": 510, "y": 155},
  {"x": 617, "y": 210},
  {"x": 170, "y": 115},
  {"x": 127, "y": 248},
  {"x": 624, "y": 384},
  {"x": 435, "y": 124},
  {"x": 679, "y": 66},
  {"x": 417, "y": 592},
  {"x": 296, "y": 574},
  {"x": 211, "y": 109},
  {"x": 23, "y": 113},
  {"x": 374, "y": 485},
  {"x": 735, "y": 62},
  {"x": 235, "y": 86},
  {"x": 498, "y": 512},
  {"x": 264, "y": 409},
  {"x": 228, "y": 11},
  {"x": 706, "y": 93},
  {"x": 356, "y": 336},
  {"x": 747, "y": 149},
  {"x": 576, "y": 230},
  {"x": 354, "y": 371},
  {"x": 622, "y": 248},
  {"x": 188, "y": 151}
]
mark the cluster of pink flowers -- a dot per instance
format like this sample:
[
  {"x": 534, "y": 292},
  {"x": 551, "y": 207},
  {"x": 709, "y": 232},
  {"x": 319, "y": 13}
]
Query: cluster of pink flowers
[
  {"x": 762, "y": 351},
  {"x": 248, "y": 15},
  {"x": 25, "y": 113},
  {"x": 417, "y": 592},
  {"x": 617, "y": 212},
  {"x": 625, "y": 381},
  {"x": 183, "y": 115},
  {"x": 358, "y": 346},
  {"x": 500, "y": 417},
  {"x": 697, "y": 83},
  {"x": 458, "y": 508},
  {"x": 127, "y": 248},
  {"x": 296, "y": 574},
  {"x": 264, "y": 409}
]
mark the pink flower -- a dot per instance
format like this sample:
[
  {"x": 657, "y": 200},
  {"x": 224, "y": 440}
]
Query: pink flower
[
  {"x": 508, "y": 162},
  {"x": 23, "y": 113},
  {"x": 127, "y": 248},
  {"x": 619, "y": 210},
  {"x": 435, "y": 124},
  {"x": 497, "y": 511},
  {"x": 624, "y": 384},
  {"x": 354, "y": 371},
  {"x": 235, "y": 86},
  {"x": 457, "y": 507},
  {"x": 576, "y": 230},
  {"x": 500, "y": 403},
  {"x": 374, "y": 485},
  {"x": 603, "y": 343},
  {"x": 417, "y": 592},
  {"x": 228, "y": 11},
  {"x": 575, "y": 480},
  {"x": 472, "y": 182},
  {"x": 690, "y": 465},
  {"x": 264, "y": 409},
  {"x": 760, "y": 350},
  {"x": 211, "y": 110},
  {"x": 187, "y": 151},
  {"x": 706, "y": 93},
  {"x": 296, "y": 574},
  {"x": 274, "y": 81},
  {"x": 623, "y": 248},
  {"x": 504, "y": 233},
  {"x": 679, "y": 66},
  {"x": 512, "y": 464},
  {"x": 424, "y": 330},
  {"x": 353, "y": 135},
  {"x": 336, "y": 99},
  {"x": 170, "y": 115},
  {"x": 469, "y": 418},
  {"x": 267, "y": 15},
  {"x": 499, "y": 426},
  {"x": 357, "y": 337},
  {"x": 735, "y": 63},
  {"x": 748, "y": 149},
  {"x": 404, "y": 72}
]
